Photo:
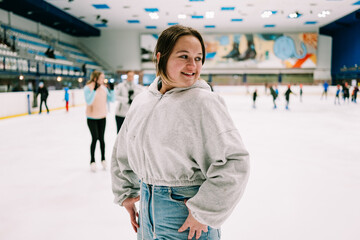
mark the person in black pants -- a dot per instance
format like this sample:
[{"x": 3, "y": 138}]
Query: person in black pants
[
  {"x": 43, "y": 96},
  {"x": 274, "y": 95},
  {"x": 254, "y": 98},
  {"x": 97, "y": 96},
  {"x": 97, "y": 130},
  {"x": 287, "y": 96}
]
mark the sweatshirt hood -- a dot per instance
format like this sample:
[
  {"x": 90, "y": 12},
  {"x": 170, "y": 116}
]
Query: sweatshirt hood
[{"x": 198, "y": 84}]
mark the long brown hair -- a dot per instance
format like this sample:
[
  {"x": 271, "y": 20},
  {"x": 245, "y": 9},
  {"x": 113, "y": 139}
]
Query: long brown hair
[{"x": 94, "y": 76}]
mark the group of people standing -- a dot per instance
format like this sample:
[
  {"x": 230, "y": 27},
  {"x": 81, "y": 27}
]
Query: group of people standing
[
  {"x": 274, "y": 92},
  {"x": 344, "y": 89}
]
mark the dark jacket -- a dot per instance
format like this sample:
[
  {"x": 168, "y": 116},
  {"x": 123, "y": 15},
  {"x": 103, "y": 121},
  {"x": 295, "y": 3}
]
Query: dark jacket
[{"x": 43, "y": 93}]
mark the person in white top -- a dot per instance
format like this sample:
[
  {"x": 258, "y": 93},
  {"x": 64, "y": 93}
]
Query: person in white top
[{"x": 125, "y": 93}]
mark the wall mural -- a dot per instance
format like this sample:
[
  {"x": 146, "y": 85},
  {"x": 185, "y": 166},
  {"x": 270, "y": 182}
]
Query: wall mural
[{"x": 288, "y": 50}]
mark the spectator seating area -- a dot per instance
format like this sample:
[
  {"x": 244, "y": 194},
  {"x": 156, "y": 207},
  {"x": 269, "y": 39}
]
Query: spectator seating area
[{"x": 30, "y": 53}]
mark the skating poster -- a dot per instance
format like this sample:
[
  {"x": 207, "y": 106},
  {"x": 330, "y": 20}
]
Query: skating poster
[{"x": 285, "y": 50}]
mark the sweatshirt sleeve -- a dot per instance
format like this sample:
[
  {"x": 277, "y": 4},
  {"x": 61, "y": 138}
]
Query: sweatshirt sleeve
[
  {"x": 225, "y": 164},
  {"x": 89, "y": 95},
  {"x": 125, "y": 183},
  {"x": 110, "y": 95}
]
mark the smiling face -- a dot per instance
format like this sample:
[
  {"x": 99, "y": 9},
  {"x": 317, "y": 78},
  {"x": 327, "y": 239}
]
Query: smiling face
[{"x": 184, "y": 63}]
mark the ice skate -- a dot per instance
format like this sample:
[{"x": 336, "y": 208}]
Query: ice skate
[
  {"x": 93, "y": 167},
  {"x": 104, "y": 164}
]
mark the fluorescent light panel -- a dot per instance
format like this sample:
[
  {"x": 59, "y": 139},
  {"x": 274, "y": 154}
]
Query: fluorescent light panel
[{"x": 101, "y": 6}]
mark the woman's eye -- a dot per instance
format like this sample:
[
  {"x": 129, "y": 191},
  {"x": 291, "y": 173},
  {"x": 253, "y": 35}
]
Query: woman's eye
[
  {"x": 183, "y": 56},
  {"x": 198, "y": 59}
]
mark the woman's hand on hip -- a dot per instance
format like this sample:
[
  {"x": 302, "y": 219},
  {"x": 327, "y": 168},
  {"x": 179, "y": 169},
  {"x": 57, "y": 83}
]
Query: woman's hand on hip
[
  {"x": 129, "y": 204},
  {"x": 195, "y": 227}
]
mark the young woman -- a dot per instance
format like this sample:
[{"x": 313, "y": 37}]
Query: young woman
[
  {"x": 96, "y": 97},
  {"x": 178, "y": 151}
]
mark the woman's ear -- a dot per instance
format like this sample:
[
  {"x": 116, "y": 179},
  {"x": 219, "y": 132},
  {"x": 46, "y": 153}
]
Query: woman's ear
[{"x": 158, "y": 57}]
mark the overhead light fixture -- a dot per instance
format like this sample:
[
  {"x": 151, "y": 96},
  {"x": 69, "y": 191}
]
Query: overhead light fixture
[
  {"x": 294, "y": 15},
  {"x": 21, "y": 77},
  {"x": 324, "y": 13},
  {"x": 182, "y": 16},
  {"x": 210, "y": 14},
  {"x": 154, "y": 15},
  {"x": 266, "y": 14},
  {"x": 58, "y": 79},
  {"x": 80, "y": 80}
]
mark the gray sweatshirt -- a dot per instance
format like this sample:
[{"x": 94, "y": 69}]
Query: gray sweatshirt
[{"x": 184, "y": 137}]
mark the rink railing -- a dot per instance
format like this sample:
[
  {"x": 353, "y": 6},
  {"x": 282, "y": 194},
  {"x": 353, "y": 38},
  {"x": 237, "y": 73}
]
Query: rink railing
[{"x": 14, "y": 104}]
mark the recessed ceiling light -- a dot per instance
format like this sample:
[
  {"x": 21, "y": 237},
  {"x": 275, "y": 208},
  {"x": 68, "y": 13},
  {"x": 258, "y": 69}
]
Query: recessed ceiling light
[
  {"x": 294, "y": 15},
  {"x": 324, "y": 13},
  {"x": 209, "y": 14},
  {"x": 154, "y": 15},
  {"x": 182, "y": 16},
  {"x": 266, "y": 14}
]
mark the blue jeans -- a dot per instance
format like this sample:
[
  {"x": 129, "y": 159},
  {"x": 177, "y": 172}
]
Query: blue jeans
[{"x": 163, "y": 212}]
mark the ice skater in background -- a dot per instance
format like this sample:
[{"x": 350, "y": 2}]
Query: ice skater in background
[
  {"x": 325, "y": 86},
  {"x": 254, "y": 98},
  {"x": 274, "y": 95},
  {"x": 354, "y": 94},
  {"x": 301, "y": 92},
  {"x": 96, "y": 97},
  {"x": 66, "y": 98},
  {"x": 44, "y": 93},
  {"x": 337, "y": 95},
  {"x": 346, "y": 92},
  {"x": 125, "y": 93},
  {"x": 287, "y": 96}
]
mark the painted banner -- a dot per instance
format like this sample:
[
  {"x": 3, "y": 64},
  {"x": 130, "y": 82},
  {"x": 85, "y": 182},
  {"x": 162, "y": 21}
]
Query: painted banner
[{"x": 276, "y": 51}]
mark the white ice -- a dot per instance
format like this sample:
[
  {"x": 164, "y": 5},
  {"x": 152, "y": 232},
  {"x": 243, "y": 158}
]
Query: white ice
[{"x": 304, "y": 183}]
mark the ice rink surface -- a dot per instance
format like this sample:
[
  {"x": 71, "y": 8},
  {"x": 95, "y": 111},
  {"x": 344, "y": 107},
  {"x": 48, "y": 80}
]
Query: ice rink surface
[{"x": 304, "y": 182}]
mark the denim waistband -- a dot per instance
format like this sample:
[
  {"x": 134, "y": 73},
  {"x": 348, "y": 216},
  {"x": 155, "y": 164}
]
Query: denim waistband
[{"x": 184, "y": 192}]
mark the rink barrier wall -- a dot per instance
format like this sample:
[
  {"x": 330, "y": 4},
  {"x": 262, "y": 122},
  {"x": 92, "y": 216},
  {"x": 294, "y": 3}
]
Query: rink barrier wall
[{"x": 15, "y": 104}]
